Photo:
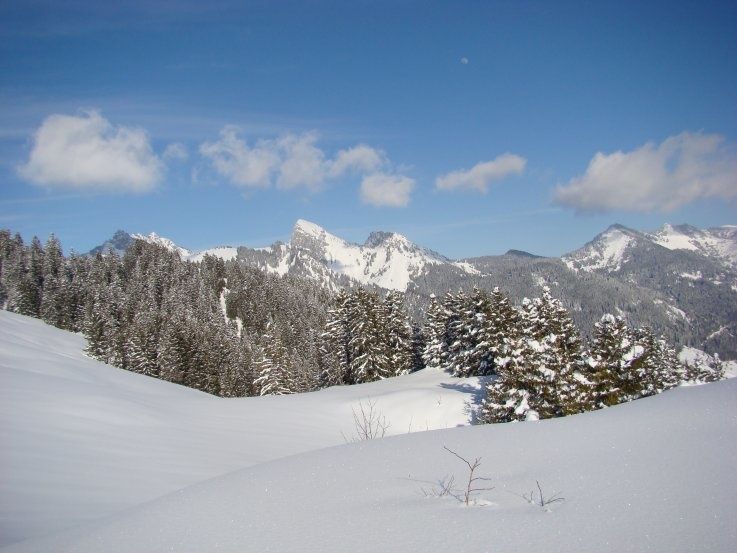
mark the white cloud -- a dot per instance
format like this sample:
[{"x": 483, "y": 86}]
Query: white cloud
[
  {"x": 481, "y": 175},
  {"x": 302, "y": 163},
  {"x": 88, "y": 152},
  {"x": 241, "y": 164},
  {"x": 176, "y": 151},
  {"x": 360, "y": 159},
  {"x": 655, "y": 177},
  {"x": 295, "y": 160},
  {"x": 464, "y": 60},
  {"x": 386, "y": 190}
]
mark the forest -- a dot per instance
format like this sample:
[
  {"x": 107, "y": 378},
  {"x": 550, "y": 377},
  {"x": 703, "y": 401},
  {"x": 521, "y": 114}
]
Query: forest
[{"x": 231, "y": 330}]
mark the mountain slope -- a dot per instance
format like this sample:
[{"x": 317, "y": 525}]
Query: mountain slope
[
  {"x": 695, "y": 286},
  {"x": 717, "y": 243},
  {"x": 680, "y": 281},
  {"x": 83, "y": 440},
  {"x": 653, "y": 475}
]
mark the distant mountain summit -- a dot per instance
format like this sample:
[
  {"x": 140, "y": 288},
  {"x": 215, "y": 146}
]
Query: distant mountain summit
[
  {"x": 118, "y": 243},
  {"x": 386, "y": 259}
]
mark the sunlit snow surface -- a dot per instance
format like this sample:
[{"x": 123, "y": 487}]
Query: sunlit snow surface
[
  {"x": 606, "y": 251},
  {"x": 80, "y": 439},
  {"x": 719, "y": 242},
  {"x": 654, "y": 475}
]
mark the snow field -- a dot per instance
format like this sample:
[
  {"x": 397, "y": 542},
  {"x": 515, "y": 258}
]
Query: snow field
[
  {"x": 654, "y": 475},
  {"x": 83, "y": 440}
]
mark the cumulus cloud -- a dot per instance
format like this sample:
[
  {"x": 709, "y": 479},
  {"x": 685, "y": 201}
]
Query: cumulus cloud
[
  {"x": 386, "y": 190},
  {"x": 290, "y": 161},
  {"x": 464, "y": 60},
  {"x": 295, "y": 160},
  {"x": 655, "y": 177},
  {"x": 87, "y": 152},
  {"x": 360, "y": 159},
  {"x": 240, "y": 163},
  {"x": 302, "y": 163},
  {"x": 176, "y": 151},
  {"x": 481, "y": 175}
]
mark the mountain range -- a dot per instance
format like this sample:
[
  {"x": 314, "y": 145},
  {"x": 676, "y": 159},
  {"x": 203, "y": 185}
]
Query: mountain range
[{"x": 679, "y": 280}]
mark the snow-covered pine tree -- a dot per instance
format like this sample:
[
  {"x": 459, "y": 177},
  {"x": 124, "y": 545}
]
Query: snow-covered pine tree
[
  {"x": 399, "y": 333},
  {"x": 334, "y": 350},
  {"x": 657, "y": 368},
  {"x": 613, "y": 351},
  {"x": 501, "y": 329},
  {"x": 509, "y": 394},
  {"x": 143, "y": 342},
  {"x": 702, "y": 370},
  {"x": 368, "y": 343},
  {"x": 271, "y": 368},
  {"x": 434, "y": 334}
]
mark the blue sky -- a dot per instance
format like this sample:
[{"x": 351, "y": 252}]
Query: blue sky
[{"x": 470, "y": 127}]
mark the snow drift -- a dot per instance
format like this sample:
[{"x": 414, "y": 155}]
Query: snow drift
[{"x": 653, "y": 475}]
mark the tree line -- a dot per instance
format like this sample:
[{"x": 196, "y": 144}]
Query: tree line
[{"x": 232, "y": 330}]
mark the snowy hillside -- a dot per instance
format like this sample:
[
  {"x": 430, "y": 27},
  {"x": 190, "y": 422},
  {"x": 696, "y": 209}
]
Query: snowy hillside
[
  {"x": 154, "y": 238},
  {"x": 719, "y": 243},
  {"x": 82, "y": 440},
  {"x": 608, "y": 251},
  {"x": 86, "y": 443}
]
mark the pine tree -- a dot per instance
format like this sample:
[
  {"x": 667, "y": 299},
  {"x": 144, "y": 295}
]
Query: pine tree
[
  {"x": 613, "y": 351},
  {"x": 399, "y": 333},
  {"x": 368, "y": 343},
  {"x": 335, "y": 350},
  {"x": 657, "y": 368},
  {"x": 272, "y": 369},
  {"x": 434, "y": 334}
]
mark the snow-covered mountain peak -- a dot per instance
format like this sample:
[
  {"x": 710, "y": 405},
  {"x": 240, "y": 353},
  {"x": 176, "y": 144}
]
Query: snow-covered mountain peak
[
  {"x": 308, "y": 228},
  {"x": 379, "y": 237},
  {"x": 154, "y": 238},
  {"x": 606, "y": 251}
]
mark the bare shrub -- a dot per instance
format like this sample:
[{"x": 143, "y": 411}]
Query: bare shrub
[
  {"x": 540, "y": 500},
  {"x": 472, "y": 479},
  {"x": 369, "y": 423},
  {"x": 444, "y": 488}
]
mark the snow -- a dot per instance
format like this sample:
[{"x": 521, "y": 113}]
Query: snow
[
  {"x": 606, "y": 251},
  {"x": 82, "y": 440},
  {"x": 225, "y": 253},
  {"x": 388, "y": 260},
  {"x": 697, "y": 357},
  {"x": 467, "y": 267},
  {"x": 693, "y": 276},
  {"x": 675, "y": 314},
  {"x": 653, "y": 475},
  {"x": 154, "y": 238},
  {"x": 718, "y": 243}
]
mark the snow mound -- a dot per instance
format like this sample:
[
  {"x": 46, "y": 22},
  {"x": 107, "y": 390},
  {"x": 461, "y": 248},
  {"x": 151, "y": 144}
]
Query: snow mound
[
  {"x": 654, "y": 475},
  {"x": 83, "y": 440}
]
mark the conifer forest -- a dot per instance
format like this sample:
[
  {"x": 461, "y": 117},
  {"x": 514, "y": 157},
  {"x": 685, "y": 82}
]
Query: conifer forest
[{"x": 231, "y": 330}]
